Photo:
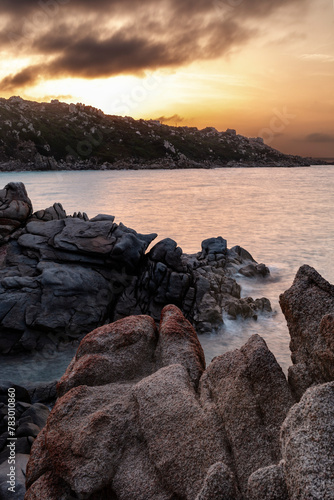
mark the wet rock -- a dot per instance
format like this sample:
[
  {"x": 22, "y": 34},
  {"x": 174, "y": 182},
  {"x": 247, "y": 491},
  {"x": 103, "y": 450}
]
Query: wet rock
[
  {"x": 254, "y": 270},
  {"x": 308, "y": 307},
  {"x": 246, "y": 307},
  {"x": 63, "y": 276}
]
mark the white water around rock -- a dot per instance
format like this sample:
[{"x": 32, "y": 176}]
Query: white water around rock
[{"x": 283, "y": 217}]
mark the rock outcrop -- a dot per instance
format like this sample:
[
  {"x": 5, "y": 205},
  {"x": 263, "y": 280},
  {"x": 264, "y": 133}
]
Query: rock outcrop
[
  {"x": 307, "y": 440},
  {"x": 139, "y": 418},
  {"x": 62, "y": 276},
  {"x": 15, "y": 208},
  {"x": 309, "y": 310}
]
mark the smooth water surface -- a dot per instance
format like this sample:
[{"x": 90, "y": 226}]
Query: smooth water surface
[{"x": 283, "y": 216}]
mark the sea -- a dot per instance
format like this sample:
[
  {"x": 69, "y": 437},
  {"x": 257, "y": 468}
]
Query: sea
[{"x": 283, "y": 216}]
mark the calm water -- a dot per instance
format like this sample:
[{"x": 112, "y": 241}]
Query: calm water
[{"x": 284, "y": 217}]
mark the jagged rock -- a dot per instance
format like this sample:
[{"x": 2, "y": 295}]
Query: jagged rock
[
  {"x": 213, "y": 247},
  {"x": 43, "y": 393},
  {"x": 254, "y": 270},
  {"x": 63, "y": 276},
  {"x": 56, "y": 212},
  {"x": 308, "y": 307},
  {"x": 167, "y": 252},
  {"x": 246, "y": 307},
  {"x": 252, "y": 398},
  {"x": 307, "y": 445},
  {"x": 142, "y": 428},
  {"x": 15, "y": 208},
  {"x": 146, "y": 427}
]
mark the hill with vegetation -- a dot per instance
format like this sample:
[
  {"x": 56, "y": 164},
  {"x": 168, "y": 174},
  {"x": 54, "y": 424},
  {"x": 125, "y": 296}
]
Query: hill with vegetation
[{"x": 60, "y": 136}]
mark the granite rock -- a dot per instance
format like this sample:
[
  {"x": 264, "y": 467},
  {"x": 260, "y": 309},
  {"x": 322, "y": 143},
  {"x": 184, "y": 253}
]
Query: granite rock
[
  {"x": 307, "y": 445},
  {"x": 162, "y": 427},
  {"x": 308, "y": 307}
]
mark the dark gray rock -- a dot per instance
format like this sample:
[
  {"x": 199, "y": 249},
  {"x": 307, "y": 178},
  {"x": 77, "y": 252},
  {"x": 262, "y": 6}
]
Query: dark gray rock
[
  {"x": 167, "y": 252},
  {"x": 27, "y": 429},
  {"x": 21, "y": 394},
  {"x": 20, "y": 468},
  {"x": 15, "y": 208},
  {"x": 63, "y": 276},
  {"x": 38, "y": 413},
  {"x": 254, "y": 270},
  {"x": 43, "y": 393},
  {"x": 55, "y": 212},
  {"x": 214, "y": 246}
]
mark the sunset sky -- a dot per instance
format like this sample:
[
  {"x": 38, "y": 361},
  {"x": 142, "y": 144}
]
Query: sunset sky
[{"x": 263, "y": 67}]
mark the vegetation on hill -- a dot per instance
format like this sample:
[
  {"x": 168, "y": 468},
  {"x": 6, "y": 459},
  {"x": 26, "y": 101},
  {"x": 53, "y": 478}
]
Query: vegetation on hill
[{"x": 35, "y": 136}]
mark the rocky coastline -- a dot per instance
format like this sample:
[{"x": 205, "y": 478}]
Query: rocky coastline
[
  {"x": 59, "y": 136},
  {"x": 138, "y": 415},
  {"x": 62, "y": 276}
]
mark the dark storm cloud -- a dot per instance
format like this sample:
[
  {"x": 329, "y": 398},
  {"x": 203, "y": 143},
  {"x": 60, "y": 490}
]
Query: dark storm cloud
[
  {"x": 320, "y": 138},
  {"x": 74, "y": 37}
]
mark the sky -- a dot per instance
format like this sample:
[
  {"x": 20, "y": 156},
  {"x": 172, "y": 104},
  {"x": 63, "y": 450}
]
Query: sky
[{"x": 262, "y": 67}]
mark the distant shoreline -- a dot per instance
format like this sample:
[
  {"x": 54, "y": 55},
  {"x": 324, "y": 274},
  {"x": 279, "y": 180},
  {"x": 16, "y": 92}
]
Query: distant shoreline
[{"x": 5, "y": 168}]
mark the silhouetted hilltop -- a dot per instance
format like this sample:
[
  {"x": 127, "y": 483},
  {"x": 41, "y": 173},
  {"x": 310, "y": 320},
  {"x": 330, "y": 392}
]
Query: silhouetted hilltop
[{"x": 60, "y": 136}]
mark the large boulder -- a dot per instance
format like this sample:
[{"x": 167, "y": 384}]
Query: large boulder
[
  {"x": 308, "y": 307},
  {"x": 306, "y": 471},
  {"x": 139, "y": 418},
  {"x": 62, "y": 277},
  {"x": 251, "y": 395},
  {"x": 308, "y": 444}
]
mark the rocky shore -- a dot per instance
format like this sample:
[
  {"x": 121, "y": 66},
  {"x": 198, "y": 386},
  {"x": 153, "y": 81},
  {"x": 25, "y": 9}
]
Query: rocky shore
[
  {"x": 139, "y": 416},
  {"x": 62, "y": 276},
  {"x": 58, "y": 136}
]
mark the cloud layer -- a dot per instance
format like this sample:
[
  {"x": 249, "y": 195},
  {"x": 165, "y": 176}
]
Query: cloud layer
[{"x": 80, "y": 38}]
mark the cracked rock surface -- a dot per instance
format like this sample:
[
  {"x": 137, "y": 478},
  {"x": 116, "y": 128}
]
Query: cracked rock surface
[{"x": 62, "y": 276}]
